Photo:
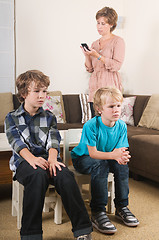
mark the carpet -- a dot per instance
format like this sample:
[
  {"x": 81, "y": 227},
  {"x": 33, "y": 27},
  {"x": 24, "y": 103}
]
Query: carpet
[{"x": 143, "y": 202}]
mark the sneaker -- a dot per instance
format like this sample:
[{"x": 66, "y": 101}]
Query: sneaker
[
  {"x": 126, "y": 216},
  {"x": 84, "y": 237},
  {"x": 102, "y": 223}
]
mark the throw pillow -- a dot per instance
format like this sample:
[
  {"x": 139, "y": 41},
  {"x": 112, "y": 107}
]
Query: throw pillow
[
  {"x": 54, "y": 103},
  {"x": 150, "y": 116},
  {"x": 6, "y": 105},
  {"x": 85, "y": 106},
  {"x": 127, "y": 110}
]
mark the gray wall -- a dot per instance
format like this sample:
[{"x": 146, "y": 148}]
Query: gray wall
[{"x": 7, "y": 46}]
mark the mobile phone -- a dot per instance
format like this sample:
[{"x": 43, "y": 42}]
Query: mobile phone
[{"x": 84, "y": 45}]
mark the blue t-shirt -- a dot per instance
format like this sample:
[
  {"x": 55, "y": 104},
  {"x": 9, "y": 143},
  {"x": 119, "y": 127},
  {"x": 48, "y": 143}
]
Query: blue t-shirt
[{"x": 96, "y": 134}]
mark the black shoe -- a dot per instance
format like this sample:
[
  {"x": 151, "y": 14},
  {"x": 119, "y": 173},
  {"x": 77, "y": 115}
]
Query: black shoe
[
  {"x": 84, "y": 237},
  {"x": 102, "y": 223},
  {"x": 126, "y": 216}
]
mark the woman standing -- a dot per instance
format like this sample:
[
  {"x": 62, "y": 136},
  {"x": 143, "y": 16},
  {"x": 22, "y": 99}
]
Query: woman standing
[{"x": 106, "y": 54}]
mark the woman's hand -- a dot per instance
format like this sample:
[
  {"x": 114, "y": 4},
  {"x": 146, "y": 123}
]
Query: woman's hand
[
  {"x": 88, "y": 53},
  {"x": 121, "y": 155},
  {"x": 93, "y": 53},
  {"x": 85, "y": 51}
]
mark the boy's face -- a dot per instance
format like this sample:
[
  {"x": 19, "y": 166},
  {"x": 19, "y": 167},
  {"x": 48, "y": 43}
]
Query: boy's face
[
  {"x": 35, "y": 98},
  {"x": 110, "y": 112}
]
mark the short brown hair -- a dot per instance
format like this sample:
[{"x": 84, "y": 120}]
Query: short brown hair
[
  {"x": 100, "y": 97},
  {"x": 24, "y": 80},
  {"x": 110, "y": 14}
]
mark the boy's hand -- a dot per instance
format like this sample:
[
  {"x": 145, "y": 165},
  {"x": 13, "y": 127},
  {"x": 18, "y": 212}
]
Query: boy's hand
[
  {"x": 39, "y": 161},
  {"x": 53, "y": 164},
  {"x": 32, "y": 160},
  {"x": 121, "y": 155}
]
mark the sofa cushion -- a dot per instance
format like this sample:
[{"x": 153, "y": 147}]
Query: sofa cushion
[
  {"x": 1, "y": 128},
  {"x": 72, "y": 108},
  {"x": 150, "y": 116},
  {"x": 57, "y": 100},
  {"x": 85, "y": 106},
  {"x": 6, "y": 105},
  {"x": 54, "y": 104},
  {"x": 133, "y": 131},
  {"x": 16, "y": 102},
  {"x": 127, "y": 110},
  {"x": 66, "y": 126},
  {"x": 139, "y": 106}
]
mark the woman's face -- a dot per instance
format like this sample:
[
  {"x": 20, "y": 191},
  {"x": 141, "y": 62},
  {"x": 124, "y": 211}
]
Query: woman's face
[{"x": 103, "y": 27}]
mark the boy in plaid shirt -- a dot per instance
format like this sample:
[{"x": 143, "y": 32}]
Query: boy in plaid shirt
[{"x": 35, "y": 140}]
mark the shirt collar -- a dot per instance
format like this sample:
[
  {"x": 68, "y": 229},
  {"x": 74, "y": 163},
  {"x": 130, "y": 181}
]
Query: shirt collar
[{"x": 20, "y": 111}]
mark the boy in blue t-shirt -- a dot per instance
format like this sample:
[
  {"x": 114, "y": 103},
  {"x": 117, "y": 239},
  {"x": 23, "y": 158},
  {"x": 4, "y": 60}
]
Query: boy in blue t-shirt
[{"x": 103, "y": 148}]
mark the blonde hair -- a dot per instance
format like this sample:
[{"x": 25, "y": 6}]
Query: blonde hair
[
  {"x": 101, "y": 95},
  {"x": 24, "y": 80}
]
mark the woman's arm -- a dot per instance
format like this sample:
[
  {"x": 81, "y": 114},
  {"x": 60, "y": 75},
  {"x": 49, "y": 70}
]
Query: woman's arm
[
  {"x": 115, "y": 63},
  {"x": 88, "y": 64},
  {"x": 88, "y": 61}
]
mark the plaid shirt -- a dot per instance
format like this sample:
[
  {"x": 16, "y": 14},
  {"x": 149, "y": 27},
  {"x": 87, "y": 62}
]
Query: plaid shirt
[{"x": 37, "y": 133}]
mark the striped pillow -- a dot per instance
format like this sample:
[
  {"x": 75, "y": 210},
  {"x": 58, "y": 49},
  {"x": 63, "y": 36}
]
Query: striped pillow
[{"x": 85, "y": 106}]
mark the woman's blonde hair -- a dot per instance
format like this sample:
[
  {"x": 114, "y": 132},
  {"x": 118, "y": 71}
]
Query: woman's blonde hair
[
  {"x": 101, "y": 95},
  {"x": 110, "y": 15}
]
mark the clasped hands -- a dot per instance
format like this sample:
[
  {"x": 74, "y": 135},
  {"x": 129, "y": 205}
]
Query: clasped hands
[{"x": 121, "y": 155}]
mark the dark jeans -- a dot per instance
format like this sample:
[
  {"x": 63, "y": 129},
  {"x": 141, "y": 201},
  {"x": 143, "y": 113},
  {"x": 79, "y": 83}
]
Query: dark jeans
[
  {"x": 35, "y": 183},
  {"x": 99, "y": 170}
]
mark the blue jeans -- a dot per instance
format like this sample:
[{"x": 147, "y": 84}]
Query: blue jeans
[{"x": 99, "y": 170}]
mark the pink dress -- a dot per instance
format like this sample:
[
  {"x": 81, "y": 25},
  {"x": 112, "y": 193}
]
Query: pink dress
[{"x": 107, "y": 74}]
